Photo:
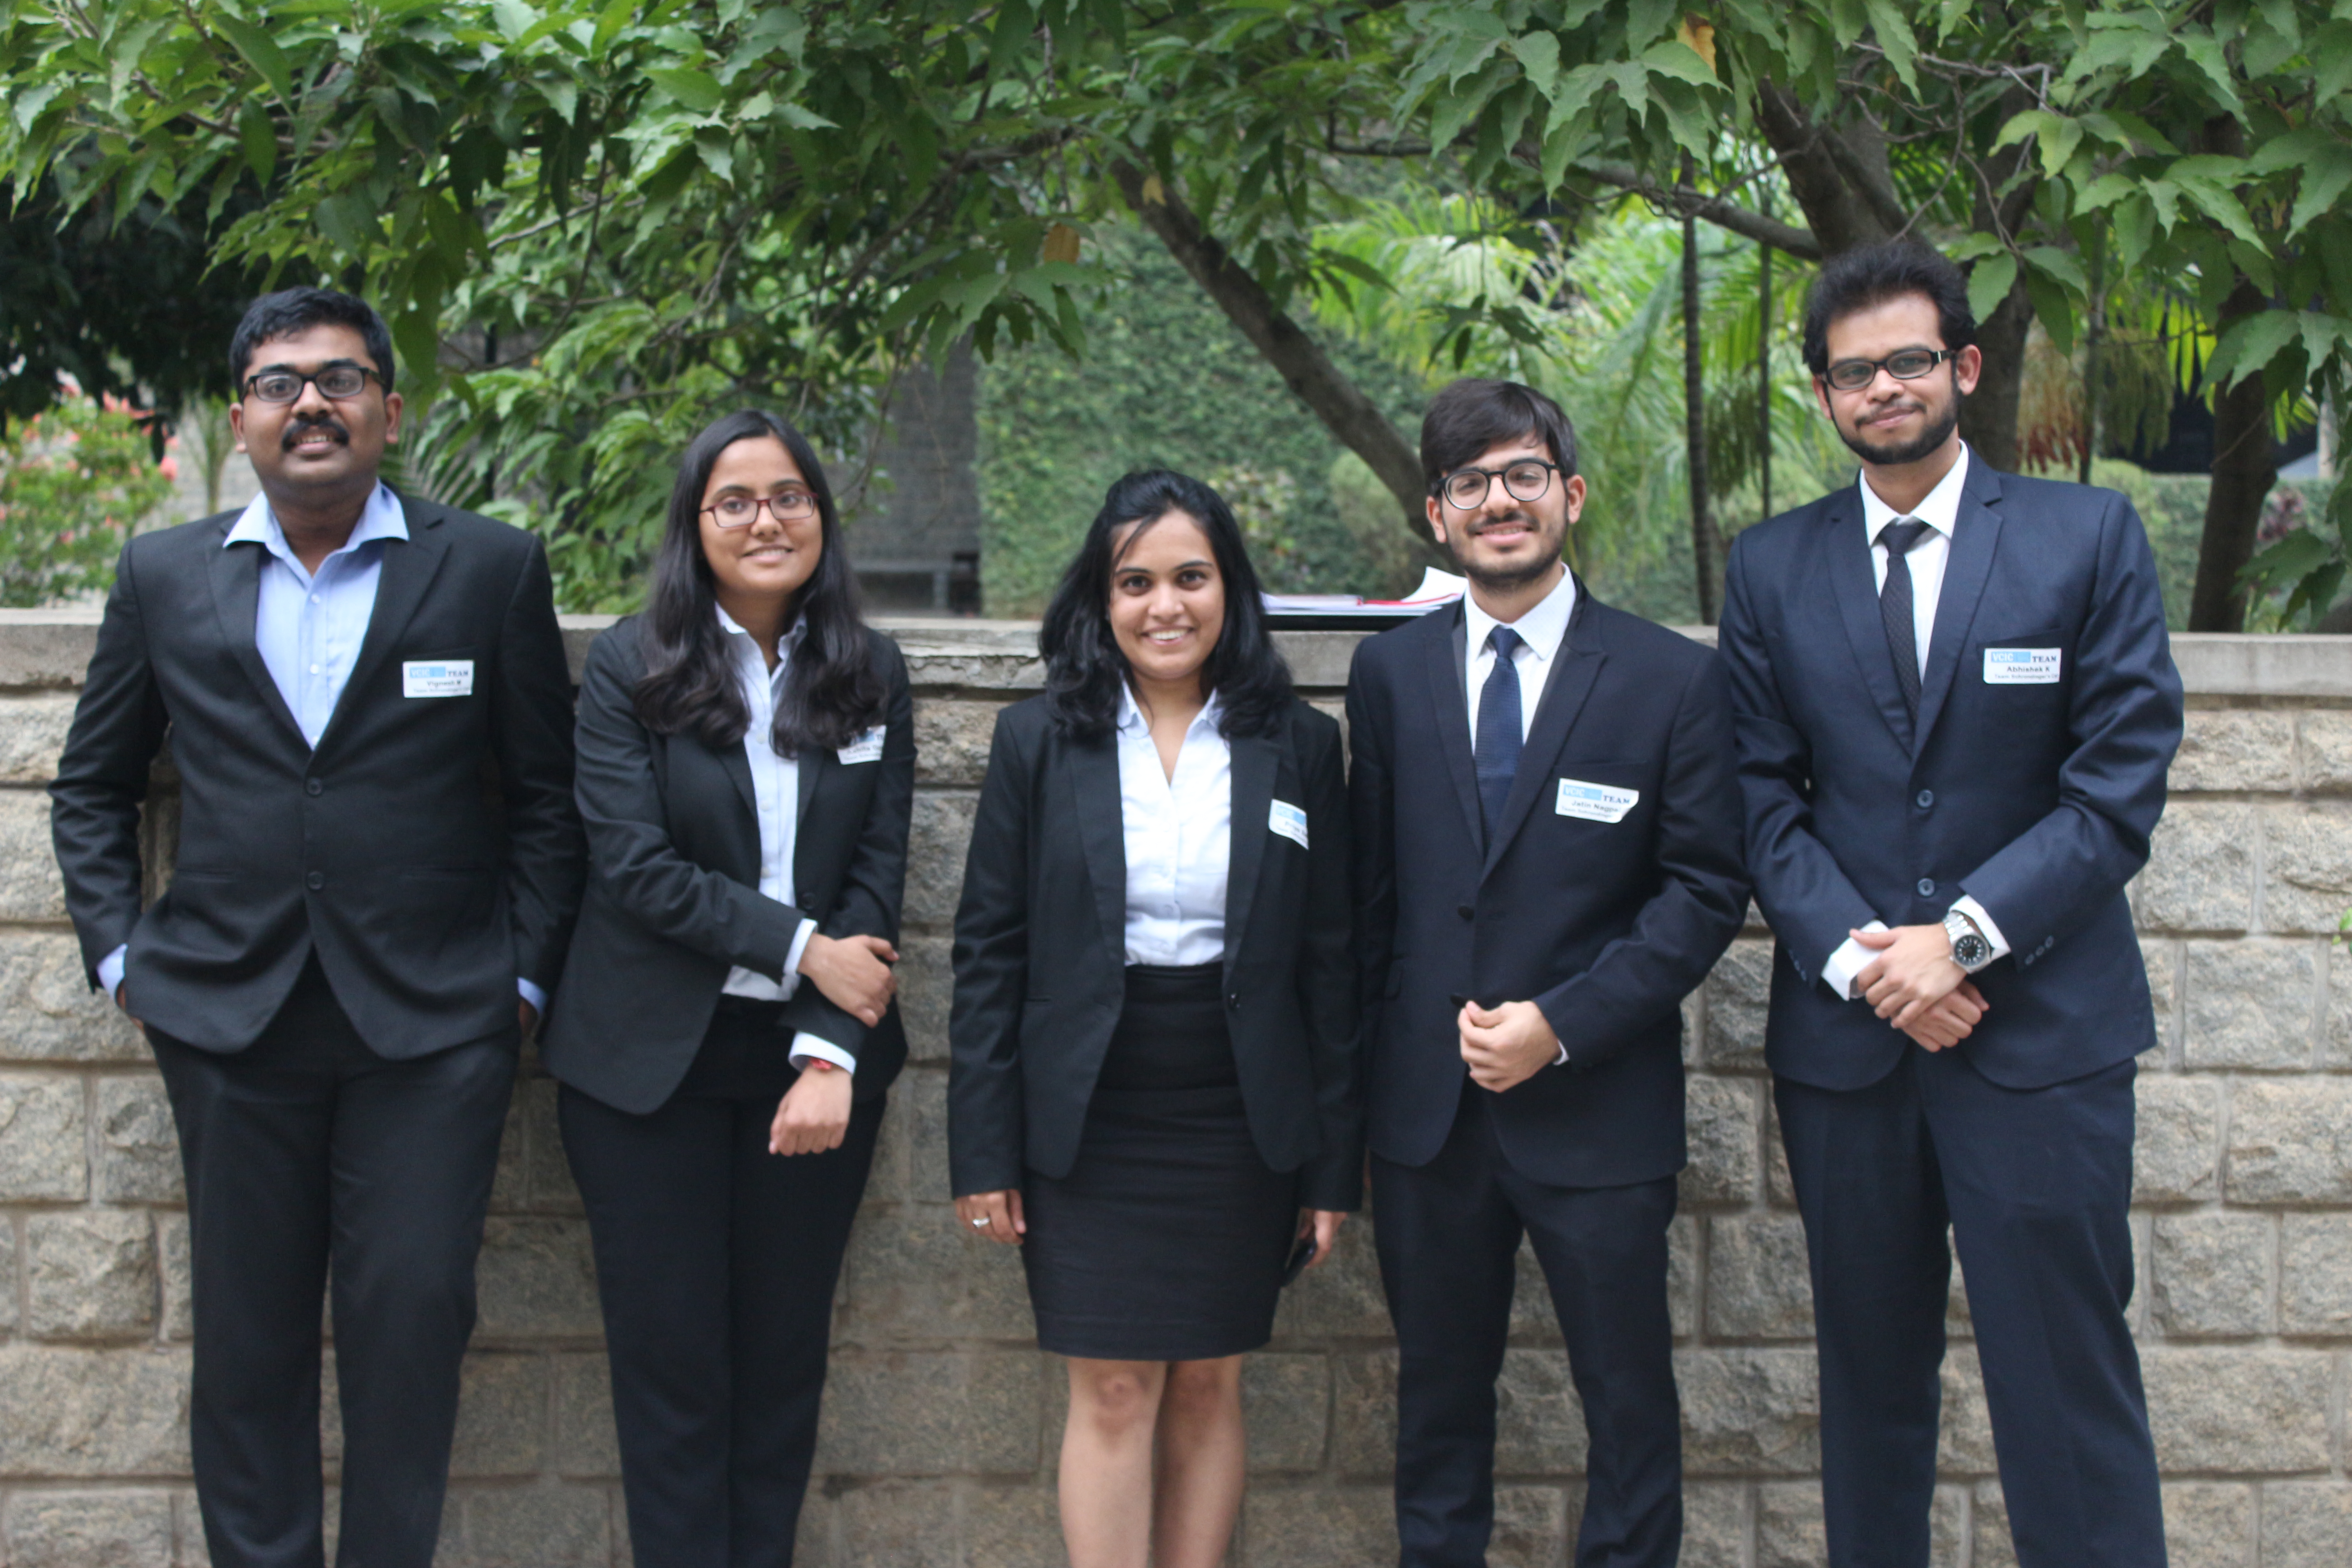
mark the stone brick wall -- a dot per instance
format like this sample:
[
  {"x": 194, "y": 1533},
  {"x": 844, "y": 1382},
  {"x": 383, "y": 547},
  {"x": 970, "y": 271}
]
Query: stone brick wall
[{"x": 942, "y": 1420}]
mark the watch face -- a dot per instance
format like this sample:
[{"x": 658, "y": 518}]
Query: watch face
[{"x": 1970, "y": 950}]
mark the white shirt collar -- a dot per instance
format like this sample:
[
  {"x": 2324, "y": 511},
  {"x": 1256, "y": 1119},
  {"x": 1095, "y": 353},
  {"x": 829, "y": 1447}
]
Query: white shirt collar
[
  {"x": 784, "y": 644},
  {"x": 1541, "y": 628},
  {"x": 1131, "y": 721},
  {"x": 382, "y": 518},
  {"x": 1939, "y": 511}
]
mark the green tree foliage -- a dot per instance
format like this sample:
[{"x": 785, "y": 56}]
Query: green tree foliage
[{"x": 73, "y": 483}]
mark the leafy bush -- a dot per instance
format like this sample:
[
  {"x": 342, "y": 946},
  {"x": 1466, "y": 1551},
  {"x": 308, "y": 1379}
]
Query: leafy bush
[{"x": 73, "y": 483}]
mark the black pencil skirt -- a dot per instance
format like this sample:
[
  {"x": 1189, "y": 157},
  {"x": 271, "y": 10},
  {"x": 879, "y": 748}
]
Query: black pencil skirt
[{"x": 1167, "y": 1239}]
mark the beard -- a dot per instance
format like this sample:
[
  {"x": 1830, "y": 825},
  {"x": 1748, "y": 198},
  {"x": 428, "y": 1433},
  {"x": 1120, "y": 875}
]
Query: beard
[
  {"x": 1937, "y": 431},
  {"x": 1501, "y": 576}
]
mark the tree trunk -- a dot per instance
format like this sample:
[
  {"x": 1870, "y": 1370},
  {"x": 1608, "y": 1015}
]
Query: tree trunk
[
  {"x": 1695, "y": 419},
  {"x": 2243, "y": 474},
  {"x": 1989, "y": 415}
]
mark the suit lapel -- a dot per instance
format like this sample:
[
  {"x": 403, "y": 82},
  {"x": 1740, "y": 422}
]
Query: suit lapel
[
  {"x": 1095, "y": 805},
  {"x": 409, "y": 568},
  {"x": 1443, "y": 663},
  {"x": 1574, "y": 669},
  {"x": 1851, "y": 579},
  {"x": 236, "y": 597},
  {"x": 1256, "y": 760},
  {"x": 1975, "y": 534},
  {"x": 812, "y": 759}
]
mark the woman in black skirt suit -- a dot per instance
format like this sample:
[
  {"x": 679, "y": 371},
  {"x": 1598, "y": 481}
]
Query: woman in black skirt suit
[
  {"x": 725, "y": 1031},
  {"x": 1153, "y": 1084}
]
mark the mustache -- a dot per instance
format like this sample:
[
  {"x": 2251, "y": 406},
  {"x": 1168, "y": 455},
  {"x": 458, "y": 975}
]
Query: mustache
[
  {"x": 304, "y": 425},
  {"x": 1514, "y": 519}
]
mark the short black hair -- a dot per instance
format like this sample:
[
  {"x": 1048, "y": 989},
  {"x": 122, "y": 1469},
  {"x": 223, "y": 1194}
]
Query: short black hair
[
  {"x": 292, "y": 310},
  {"x": 1474, "y": 414},
  {"x": 1084, "y": 667},
  {"x": 1874, "y": 274}
]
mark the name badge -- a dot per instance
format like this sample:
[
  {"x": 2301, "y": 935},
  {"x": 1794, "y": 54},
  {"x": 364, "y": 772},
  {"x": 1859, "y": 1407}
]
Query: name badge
[
  {"x": 1287, "y": 820},
  {"x": 1594, "y": 802},
  {"x": 867, "y": 748},
  {"x": 437, "y": 678},
  {"x": 2021, "y": 666}
]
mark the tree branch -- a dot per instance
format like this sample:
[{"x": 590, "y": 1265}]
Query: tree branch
[{"x": 1684, "y": 201}]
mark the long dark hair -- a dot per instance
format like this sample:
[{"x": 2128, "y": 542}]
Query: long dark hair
[
  {"x": 832, "y": 691},
  {"x": 1084, "y": 667}
]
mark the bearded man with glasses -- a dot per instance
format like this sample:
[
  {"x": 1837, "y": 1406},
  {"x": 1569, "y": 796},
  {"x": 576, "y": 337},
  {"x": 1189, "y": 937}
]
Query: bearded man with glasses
[{"x": 378, "y": 863}]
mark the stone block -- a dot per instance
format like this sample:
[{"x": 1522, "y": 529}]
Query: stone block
[
  {"x": 2291, "y": 1142},
  {"x": 510, "y": 1178},
  {"x": 1533, "y": 1317},
  {"x": 2177, "y": 1156},
  {"x": 910, "y": 1157},
  {"x": 1714, "y": 1525},
  {"x": 76, "y": 1412},
  {"x": 1737, "y": 992},
  {"x": 1286, "y": 1410},
  {"x": 1791, "y": 1532},
  {"x": 1682, "y": 1275},
  {"x": 1947, "y": 1528},
  {"x": 188, "y": 1532},
  {"x": 2235, "y": 749},
  {"x": 931, "y": 1413},
  {"x": 1532, "y": 1525},
  {"x": 177, "y": 1266},
  {"x": 2200, "y": 871},
  {"x": 1964, "y": 1426},
  {"x": 30, "y": 887},
  {"x": 925, "y": 993},
  {"x": 1538, "y": 1419},
  {"x": 935, "y": 849},
  {"x": 90, "y": 1274},
  {"x": 536, "y": 1280},
  {"x": 2315, "y": 1274},
  {"x": 138, "y": 1148},
  {"x": 2250, "y": 1004},
  {"x": 1287, "y": 1529},
  {"x": 1363, "y": 1413},
  {"x": 1757, "y": 1286},
  {"x": 42, "y": 1155},
  {"x": 587, "y": 1447},
  {"x": 2306, "y": 1524},
  {"x": 1721, "y": 1115},
  {"x": 112, "y": 1529},
  {"x": 48, "y": 1012},
  {"x": 1750, "y": 1411},
  {"x": 2307, "y": 867},
  {"x": 951, "y": 739},
  {"x": 2326, "y": 761},
  {"x": 1017, "y": 1526},
  {"x": 1989, "y": 1519},
  {"x": 548, "y": 1172},
  {"x": 2162, "y": 957},
  {"x": 1341, "y": 1298},
  {"x": 2240, "y": 1411},
  {"x": 501, "y": 1415},
  {"x": 2211, "y": 1273},
  {"x": 2335, "y": 1023},
  {"x": 32, "y": 733},
  {"x": 7, "y": 1275},
  {"x": 898, "y": 1524},
  {"x": 2209, "y": 1524},
  {"x": 917, "y": 1272},
  {"x": 1779, "y": 1187},
  {"x": 546, "y": 1524}
]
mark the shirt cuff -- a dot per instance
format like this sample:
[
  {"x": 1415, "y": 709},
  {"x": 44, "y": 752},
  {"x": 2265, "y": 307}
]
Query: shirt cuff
[
  {"x": 791, "y": 975},
  {"x": 807, "y": 1047},
  {"x": 110, "y": 971},
  {"x": 532, "y": 994},
  {"x": 1850, "y": 959},
  {"x": 1977, "y": 912}
]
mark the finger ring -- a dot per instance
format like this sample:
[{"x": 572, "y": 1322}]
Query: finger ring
[{"x": 982, "y": 1220}]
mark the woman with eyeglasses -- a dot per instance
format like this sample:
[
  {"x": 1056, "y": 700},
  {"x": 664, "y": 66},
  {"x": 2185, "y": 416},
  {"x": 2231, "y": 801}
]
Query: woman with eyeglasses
[
  {"x": 726, "y": 1027},
  {"x": 1152, "y": 1086}
]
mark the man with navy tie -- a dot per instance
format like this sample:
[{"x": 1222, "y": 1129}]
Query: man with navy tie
[
  {"x": 1547, "y": 837},
  {"x": 1956, "y": 707},
  {"x": 378, "y": 861}
]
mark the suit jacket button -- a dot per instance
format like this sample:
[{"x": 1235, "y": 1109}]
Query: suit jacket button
[
  {"x": 1926, "y": 886},
  {"x": 1465, "y": 911},
  {"x": 312, "y": 786},
  {"x": 1927, "y": 798},
  {"x": 316, "y": 880}
]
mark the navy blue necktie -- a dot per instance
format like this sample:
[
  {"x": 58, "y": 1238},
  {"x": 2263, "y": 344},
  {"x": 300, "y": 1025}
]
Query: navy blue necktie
[
  {"x": 1497, "y": 752},
  {"x": 1895, "y": 604}
]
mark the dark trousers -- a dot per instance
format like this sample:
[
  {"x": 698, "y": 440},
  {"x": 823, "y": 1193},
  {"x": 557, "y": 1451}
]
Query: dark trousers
[
  {"x": 304, "y": 1147},
  {"x": 1448, "y": 1234},
  {"x": 716, "y": 1262},
  {"x": 2034, "y": 1187}
]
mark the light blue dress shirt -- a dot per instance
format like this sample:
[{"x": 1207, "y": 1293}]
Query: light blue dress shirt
[{"x": 308, "y": 628}]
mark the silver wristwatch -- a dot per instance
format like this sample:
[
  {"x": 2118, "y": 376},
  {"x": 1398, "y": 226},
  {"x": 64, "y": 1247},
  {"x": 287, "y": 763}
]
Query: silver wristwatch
[{"x": 1970, "y": 950}]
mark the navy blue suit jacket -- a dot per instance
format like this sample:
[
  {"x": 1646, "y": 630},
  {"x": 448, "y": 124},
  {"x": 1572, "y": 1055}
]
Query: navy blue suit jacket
[
  {"x": 1604, "y": 926},
  {"x": 2037, "y": 800}
]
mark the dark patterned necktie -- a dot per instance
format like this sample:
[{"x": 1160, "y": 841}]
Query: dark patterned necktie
[
  {"x": 1894, "y": 607},
  {"x": 1499, "y": 742}
]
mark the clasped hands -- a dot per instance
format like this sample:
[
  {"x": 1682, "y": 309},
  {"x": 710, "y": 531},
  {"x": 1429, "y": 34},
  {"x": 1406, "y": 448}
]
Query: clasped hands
[
  {"x": 854, "y": 975},
  {"x": 1504, "y": 1046},
  {"x": 1914, "y": 985}
]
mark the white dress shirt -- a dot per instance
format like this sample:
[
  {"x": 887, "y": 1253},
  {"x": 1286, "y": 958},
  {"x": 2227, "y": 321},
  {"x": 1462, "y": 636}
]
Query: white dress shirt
[
  {"x": 1940, "y": 510},
  {"x": 308, "y": 628},
  {"x": 776, "y": 794},
  {"x": 1178, "y": 833}
]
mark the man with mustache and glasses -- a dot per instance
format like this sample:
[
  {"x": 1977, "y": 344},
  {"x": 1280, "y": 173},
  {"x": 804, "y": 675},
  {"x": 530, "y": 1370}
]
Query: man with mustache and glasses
[
  {"x": 370, "y": 716},
  {"x": 1956, "y": 707},
  {"x": 1547, "y": 842}
]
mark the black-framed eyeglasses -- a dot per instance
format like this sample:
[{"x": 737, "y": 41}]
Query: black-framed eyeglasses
[
  {"x": 785, "y": 506},
  {"x": 339, "y": 381},
  {"x": 1526, "y": 479},
  {"x": 1904, "y": 364}
]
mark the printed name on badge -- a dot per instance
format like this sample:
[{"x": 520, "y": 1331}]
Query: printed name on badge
[
  {"x": 437, "y": 678},
  {"x": 867, "y": 748},
  {"x": 1287, "y": 820},
  {"x": 1594, "y": 802},
  {"x": 2020, "y": 667}
]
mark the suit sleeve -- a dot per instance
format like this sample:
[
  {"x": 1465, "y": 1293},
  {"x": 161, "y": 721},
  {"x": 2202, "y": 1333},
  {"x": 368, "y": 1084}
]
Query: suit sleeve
[
  {"x": 1702, "y": 895},
  {"x": 118, "y": 727},
  {"x": 531, "y": 722},
  {"x": 2124, "y": 718},
  {"x": 630, "y": 852},
  {"x": 1372, "y": 810},
  {"x": 874, "y": 891},
  {"x": 985, "y": 1119},
  {"x": 1327, "y": 982},
  {"x": 1805, "y": 894}
]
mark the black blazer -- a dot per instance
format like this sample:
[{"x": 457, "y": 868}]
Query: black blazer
[
  {"x": 674, "y": 898},
  {"x": 2038, "y": 800},
  {"x": 427, "y": 850},
  {"x": 1604, "y": 926},
  {"x": 1041, "y": 954}
]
